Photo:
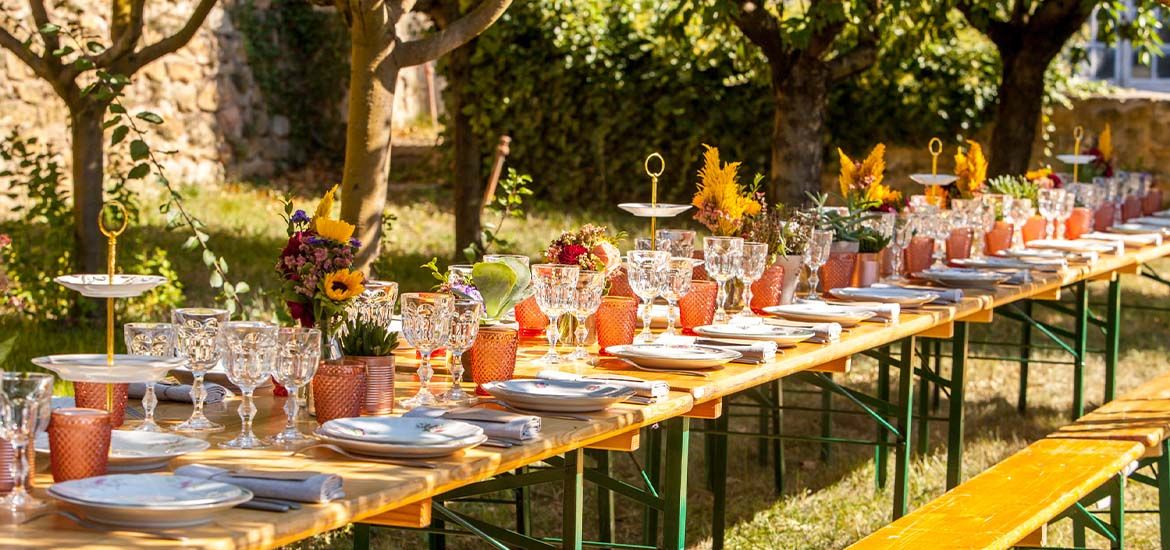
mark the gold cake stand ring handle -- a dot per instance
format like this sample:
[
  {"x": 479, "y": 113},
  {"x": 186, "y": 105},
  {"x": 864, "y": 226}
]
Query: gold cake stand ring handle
[
  {"x": 661, "y": 165},
  {"x": 935, "y": 146},
  {"x": 119, "y": 209},
  {"x": 1078, "y": 133}
]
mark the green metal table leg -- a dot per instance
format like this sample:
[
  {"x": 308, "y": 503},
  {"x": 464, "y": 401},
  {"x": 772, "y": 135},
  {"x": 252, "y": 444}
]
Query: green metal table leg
[
  {"x": 778, "y": 428},
  {"x": 653, "y": 460},
  {"x": 674, "y": 532},
  {"x": 1081, "y": 335},
  {"x": 959, "y": 344},
  {"x": 709, "y": 447},
  {"x": 1117, "y": 511},
  {"x": 361, "y": 536},
  {"x": 826, "y": 422},
  {"x": 1164, "y": 493},
  {"x": 1025, "y": 355},
  {"x": 881, "y": 451},
  {"x": 936, "y": 397},
  {"x": 905, "y": 411},
  {"x": 437, "y": 541},
  {"x": 924, "y": 399},
  {"x": 523, "y": 497},
  {"x": 763, "y": 416},
  {"x": 1112, "y": 336},
  {"x": 606, "y": 524},
  {"x": 718, "y": 467},
  {"x": 572, "y": 501}
]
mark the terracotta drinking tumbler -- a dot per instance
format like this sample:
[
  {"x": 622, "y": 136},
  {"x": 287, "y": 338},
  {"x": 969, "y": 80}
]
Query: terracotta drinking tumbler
[
  {"x": 92, "y": 395},
  {"x": 1131, "y": 208},
  {"x": 79, "y": 443},
  {"x": 697, "y": 307},
  {"x": 838, "y": 270},
  {"x": 959, "y": 244},
  {"x": 492, "y": 357},
  {"x": 918, "y": 255},
  {"x": 379, "y": 384},
  {"x": 767, "y": 290},
  {"x": 617, "y": 317},
  {"x": 1152, "y": 201},
  {"x": 1078, "y": 223},
  {"x": 1103, "y": 217},
  {"x": 339, "y": 390},
  {"x": 867, "y": 271},
  {"x": 619, "y": 284},
  {"x": 532, "y": 322},
  {"x": 1035, "y": 228},
  {"x": 999, "y": 238}
]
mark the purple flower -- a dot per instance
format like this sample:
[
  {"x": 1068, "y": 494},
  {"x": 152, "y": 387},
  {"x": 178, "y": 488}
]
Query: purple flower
[
  {"x": 467, "y": 290},
  {"x": 354, "y": 242},
  {"x": 299, "y": 217}
]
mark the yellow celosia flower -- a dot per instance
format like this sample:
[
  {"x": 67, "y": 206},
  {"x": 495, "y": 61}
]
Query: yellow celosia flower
[
  {"x": 721, "y": 202},
  {"x": 325, "y": 207},
  {"x": 882, "y": 194},
  {"x": 1105, "y": 143},
  {"x": 343, "y": 284},
  {"x": 334, "y": 230},
  {"x": 1038, "y": 173},
  {"x": 971, "y": 168},
  {"x": 860, "y": 177}
]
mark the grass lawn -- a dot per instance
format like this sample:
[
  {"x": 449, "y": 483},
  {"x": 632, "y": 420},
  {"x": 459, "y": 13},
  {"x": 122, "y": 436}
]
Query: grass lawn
[{"x": 823, "y": 504}]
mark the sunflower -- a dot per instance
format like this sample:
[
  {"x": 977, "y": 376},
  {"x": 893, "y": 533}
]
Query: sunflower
[
  {"x": 334, "y": 230},
  {"x": 343, "y": 284}
]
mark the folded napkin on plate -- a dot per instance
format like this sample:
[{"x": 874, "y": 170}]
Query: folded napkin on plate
[
  {"x": 286, "y": 485},
  {"x": 825, "y": 332},
  {"x": 942, "y": 295},
  {"x": 654, "y": 389},
  {"x": 179, "y": 392},
  {"x": 496, "y": 424},
  {"x": 752, "y": 352},
  {"x": 882, "y": 312},
  {"x": 1153, "y": 238}
]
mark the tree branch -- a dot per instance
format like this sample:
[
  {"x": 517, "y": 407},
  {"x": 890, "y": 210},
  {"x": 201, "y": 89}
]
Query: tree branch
[
  {"x": 860, "y": 58},
  {"x": 761, "y": 28},
  {"x": 130, "y": 64},
  {"x": 123, "y": 45},
  {"x": 458, "y": 33},
  {"x": 38, "y": 65},
  {"x": 41, "y": 18}
]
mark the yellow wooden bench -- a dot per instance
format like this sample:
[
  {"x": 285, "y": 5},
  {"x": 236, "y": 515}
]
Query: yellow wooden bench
[{"x": 1010, "y": 503}]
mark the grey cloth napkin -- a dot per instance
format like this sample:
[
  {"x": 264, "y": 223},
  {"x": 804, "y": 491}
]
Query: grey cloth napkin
[
  {"x": 286, "y": 485},
  {"x": 825, "y": 333},
  {"x": 942, "y": 295},
  {"x": 752, "y": 352},
  {"x": 495, "y": 424},
  {"x": 179, "y": 392},
  {"x": 654, "y": 389}
]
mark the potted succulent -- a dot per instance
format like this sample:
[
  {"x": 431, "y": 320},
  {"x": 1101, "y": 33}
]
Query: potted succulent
[
  {"x": 1027, "y": 187},
  {"x": 858, "y": 242},
  {"x": 373, "y": 345},
  {"x": 786, "y": 233}
]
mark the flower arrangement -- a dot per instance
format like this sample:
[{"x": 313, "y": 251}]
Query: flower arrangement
[
  {"x": 591, "y": 247},
  {"x": 722, "y": 203},
  {"x": 1102, "y": 166},
  {"x": 971, "y": 169},
  {"x": 784, "y": 231},
  {"x": 316, "y": 281},
  {"x": 861, "y": 182},
  {"x": 1044, "y": 178}
]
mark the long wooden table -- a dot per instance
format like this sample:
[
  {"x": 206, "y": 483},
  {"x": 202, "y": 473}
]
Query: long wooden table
[{"x": 398, "y": 495}]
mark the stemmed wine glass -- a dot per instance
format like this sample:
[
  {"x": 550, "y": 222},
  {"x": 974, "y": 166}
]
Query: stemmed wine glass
[
  {"x": 556, "y": 292},
  {"x": 939, "y": 226},
  {"x": 820, "y": 241},
  {"x": 751, "y": 267},
  {"x": 646, "y": 270},
  {"x": 249, "y": 353},
  {"x": 155, "y": 340},
  {"x": 721, "y": 256},
  {"x": 1049, "y": 202},
  {"x": 981, "y": 219},
  {"x": 680, "y": 243},
  {"x": 426, "y": 325},
  {"x": 678, "y": 284},
  {"x": 197, "y": 339},
  {"x": 904, "y": 225},
  {"x": 1021, "y": 211},
  {"x": 590, "y": 287},
  {"x": 1067, "y": 203},
  {"x": 298, "y": 352},
  {"x": 21, "y": 397},
  {"x": 464, "y": 329}
]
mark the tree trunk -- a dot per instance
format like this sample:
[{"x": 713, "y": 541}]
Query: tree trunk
[
  {"x": 798, "y": 128},
  {"x": 1021, "y": 98},
  {"x": 372, "y": 77},
  {"x": 468, "y": 184},
  {"x": 88, "y": 163}
]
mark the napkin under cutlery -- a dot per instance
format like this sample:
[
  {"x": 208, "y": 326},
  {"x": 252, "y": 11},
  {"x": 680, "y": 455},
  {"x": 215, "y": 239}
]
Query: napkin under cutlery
[
  {"x": 654, "y": 389},
  {"x": 750, "y": 352},
  {"x": 283, "y": 485},
  {"x": 825, "y": 333},
  {"x": 495, "y": 424},
  {"x": 886, "y": 313},
  {"x": 941, "y": 295},
  {"x": 179, "y": 392},
  {"x": 1137, "y": 239}
]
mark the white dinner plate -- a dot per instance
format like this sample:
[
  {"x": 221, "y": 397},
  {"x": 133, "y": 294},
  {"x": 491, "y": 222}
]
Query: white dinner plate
[
  {"x": 98, "y": 286},
  {"x": 1075, "y": 159},
  {"x": 901, "y": 296},
  {"x": 1031, "y": 253},
  {"x": 387, "y": 450},
  {"x": 149, "y": 500},
  {"x": 992, "y": 262},
  {"x": 1152, "y": 220},
  {"x": 818, "y": 312},
  {"x": 1073, "y": 246},
  {"x": 398, "y": 430},
  {"x": 672, "y": 356},
  {"x": 659, "y": 210},
  {"x": 133, "y": 451},
  {"x": 540, "y": 394},
  {"x": 92, "y": 367},
  {"x": 1132, "y": 228},
  {"x": 760, "y": 331},
  {"x": 964, "y": 278}
]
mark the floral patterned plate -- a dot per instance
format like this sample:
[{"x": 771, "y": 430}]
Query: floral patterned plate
[
  {"x": 148, "y": 500},
  {"x": 397, "y": 430},
  {"x": 761, "y": 331},
  {"x": 671, "y": 356},
  {"x": 98, "y": 286},
  {"x": 558, "y": 395},
  {"x": 137, "y": 451},
  {"x": 393, "y": 450}
]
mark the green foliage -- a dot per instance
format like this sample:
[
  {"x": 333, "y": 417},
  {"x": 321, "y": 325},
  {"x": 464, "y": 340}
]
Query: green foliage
[
  {"x": 1017, "y": 187},
  {"x": 501, "y": 284},
  {"x": 299, "y": 58},
  {"x": 365, "y": 338},
  {"x": 508, "y": 204}
]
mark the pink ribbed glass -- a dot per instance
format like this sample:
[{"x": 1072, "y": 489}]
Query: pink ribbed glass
[
  {"x": 617, "y": 318},
  {"x": 918, "y": 255},
  {"x": 999, "y": 238},
  {"x": 493, "y": 356},
  {"x": 339, "y": 390},
  {"x": 958, "y": 244},
  {"x": 1103, "y": 217}
]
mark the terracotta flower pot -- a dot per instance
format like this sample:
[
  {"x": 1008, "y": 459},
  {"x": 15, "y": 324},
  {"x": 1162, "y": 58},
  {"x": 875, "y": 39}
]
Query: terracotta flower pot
[
  {"x": 999, "y": 238},
  {"x": 492, "y": 357},
  {"x": 1152, "y": 202},
  {"x": 92, "y": 395},
  {"x": 617, "y": 318},
  {"x": 1034, "y": 228},
  {"x": 1078, "y": 223},
  {"x": 1103, "y": 217},
  {"x": 793, "y": 265},
  {"x": 1131, "y": 208},
  {"x": 959, "y": 244},
  {"x": 866, "y": 269},
  {"x": 532, "y": 322},
  {"x": 339, "y": 390},
  {"x": 838, "y": 270},
  {"x": 766, "y": 291},
  {"x": 379, "y": 383},
  {"x": 918, "y": 255},
  {"x": 697, "y": 307}
]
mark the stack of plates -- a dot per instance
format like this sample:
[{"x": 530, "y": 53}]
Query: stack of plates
[
  {"x": 559, "y": 395},
  {"x": 820, "y": 312},
  {"x": 905, "y": 297},
  {"x": 138, "y": 451},
  {"x": 148, "y": 500},
  {"x": 785, "y": 336},
  {"x": 401, "y": 437},
  {"x": 964, "y": 278}
]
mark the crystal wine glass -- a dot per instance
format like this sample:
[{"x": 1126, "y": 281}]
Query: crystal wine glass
[
  {"x": 940, "y": 225},
  {"x": 680, "y": 243},
  {"x": 820, "y": 241},
  {"x": 1068, "y": 201},
  {"x": 375, "y": 304},
  {"x": 1049, "y": 201},
  {"x": 197, "y": 339},
  {"x": 647, "y": 274},
  {"x": 1021, "y": 211},
  {"x": 904, "y": 225},
  {"x": 155, "y": 340},
  {"x": 21, "y": 397},
  {"x": 721, "y": 256},
  {"x": 298, "y": 352},
  {"x": 590, "y": 287},
  {"x": 556, "y": 295},
  {"x": 677, "y": 284},
  {"x": 464, "y": 329},
  {"x": 753, "y": 260},
  {"x": 426, "y": 325},
  {"x": 249, "y": 352}
]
